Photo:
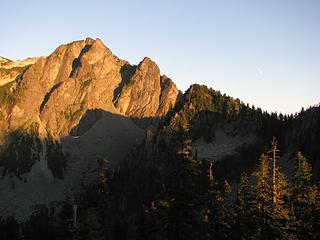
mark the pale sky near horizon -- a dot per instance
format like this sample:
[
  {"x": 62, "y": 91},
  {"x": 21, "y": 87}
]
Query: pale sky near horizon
[{"x": 266, "y": 53}]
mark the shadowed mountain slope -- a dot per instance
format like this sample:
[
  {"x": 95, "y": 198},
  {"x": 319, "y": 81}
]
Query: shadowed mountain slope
[
  {"x": 82, "y": 104},
  {"x": 67, "y": 110}
]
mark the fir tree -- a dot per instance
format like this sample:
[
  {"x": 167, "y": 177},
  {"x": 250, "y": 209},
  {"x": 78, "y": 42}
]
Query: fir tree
[
  {"x": 281, "y": 209},
  {"x": 157, "y": 220},
  {"x": 93, "y": 228},
  {"x": 263, "y": 199},
  {"x": 185, "y": 192},
  {"x": 305, "y": 198},
  {"x": 244, "y": 209},
  {"x": 218, "y": 215},
  {"x": 175, "y": 210},
  {"x": 96, "y": 219}
]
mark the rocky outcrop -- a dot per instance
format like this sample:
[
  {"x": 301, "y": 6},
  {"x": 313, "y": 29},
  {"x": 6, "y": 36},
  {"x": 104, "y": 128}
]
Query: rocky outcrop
[
  {"x": 140, "y": 96},
  {"x": 147, "y": 94},
  {"x": 80, "y": 99},
  {"x": 89, "y": 83},
  {"x": 59, "y": 89},
  {"x": 57, "y": 93},
  {"x": 168, "y": 97}
]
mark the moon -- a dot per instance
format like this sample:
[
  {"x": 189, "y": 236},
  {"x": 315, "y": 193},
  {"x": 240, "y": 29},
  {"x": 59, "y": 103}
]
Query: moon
[{"x": 261, "y": 72}]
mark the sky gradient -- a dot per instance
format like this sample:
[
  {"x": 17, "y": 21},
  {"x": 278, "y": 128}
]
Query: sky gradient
[{"x": 266, "y": 53}]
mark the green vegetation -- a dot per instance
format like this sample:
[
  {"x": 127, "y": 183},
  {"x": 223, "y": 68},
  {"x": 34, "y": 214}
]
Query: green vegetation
[
  {"x": 263, "y": 209},
  {"x": 163, "y": 191},
  {"x": 207, "y": 110},
  {"x": 13, "y": 70},
  {"x": 305, "y": 200},
  {"x": 204, "y": 108},
  {"x": 93, "y": 216},
  {"x": 21, "y": 151},
  {"x": 2, "y": 117},
  {"x": 11, "y": 92},
  {"x": 7, "y": 93},
  {"x": 200, "y": 98},
  {"x": 180, "y": 199},
  {"x": 191, "y": 203},
  {"x": 73, "y": 116},
  {"x": 31, "y": 128},
  {"x": 85, "y": 84}
]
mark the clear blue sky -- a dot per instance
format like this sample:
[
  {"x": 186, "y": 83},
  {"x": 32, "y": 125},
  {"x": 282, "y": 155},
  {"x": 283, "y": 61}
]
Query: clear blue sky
[{"x": 265, "y": 52}]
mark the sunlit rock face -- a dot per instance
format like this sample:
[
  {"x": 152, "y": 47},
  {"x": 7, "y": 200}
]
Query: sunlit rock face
[
  {"x": 59, "y": 89},
  {"x": 70, "y": 108}
]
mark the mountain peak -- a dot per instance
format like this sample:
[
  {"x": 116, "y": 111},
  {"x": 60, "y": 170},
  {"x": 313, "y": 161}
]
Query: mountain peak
[
  {"x": 99, "y": 80},
  {"x": 146, "y": 60},
  {"x": 97, "y": 41},
  {"x": 148, "y": 63}
]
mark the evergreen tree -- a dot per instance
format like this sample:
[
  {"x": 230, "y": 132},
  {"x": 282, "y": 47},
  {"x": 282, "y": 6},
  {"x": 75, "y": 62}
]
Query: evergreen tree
[
  {"x": 244, "y": 209},
  {"x": 263, "y": 200},
  {"x": 93, "y": 228},
  {"x": 280, "y": 208},
  {"x": 96, "y": 218},
  {"x": 316, "y": 214},
  {"x": 281, "y": 211},
  {"x": 305, "y": 198},
  {"x": 175, "y": 211},
  {"x": 157, "y": 220},
  {"x": 184, "y": 189},
  {"x": 218, "y": 215}
]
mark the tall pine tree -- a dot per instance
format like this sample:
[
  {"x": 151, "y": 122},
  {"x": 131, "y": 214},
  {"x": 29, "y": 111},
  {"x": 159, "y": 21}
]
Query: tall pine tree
[
  {"x": 280, "y": 212},
  {"x": 263, "y": 200}
]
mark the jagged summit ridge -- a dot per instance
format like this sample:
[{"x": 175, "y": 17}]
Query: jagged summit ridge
[
  {"x": 57, "y": 90},
  {"x": 61, "y": 112}
]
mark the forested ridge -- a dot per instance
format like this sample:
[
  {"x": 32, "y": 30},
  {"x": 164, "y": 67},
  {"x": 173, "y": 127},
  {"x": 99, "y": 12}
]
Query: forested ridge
[{"x": 164, "y": 190}]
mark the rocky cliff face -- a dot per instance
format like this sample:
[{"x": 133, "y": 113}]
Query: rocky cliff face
[
  {"x": 140, "y": 96},
  {"x": 147, "y": 93},
  {"x": 76, "y": 106},
  {"x": 58, "y": 90}
]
